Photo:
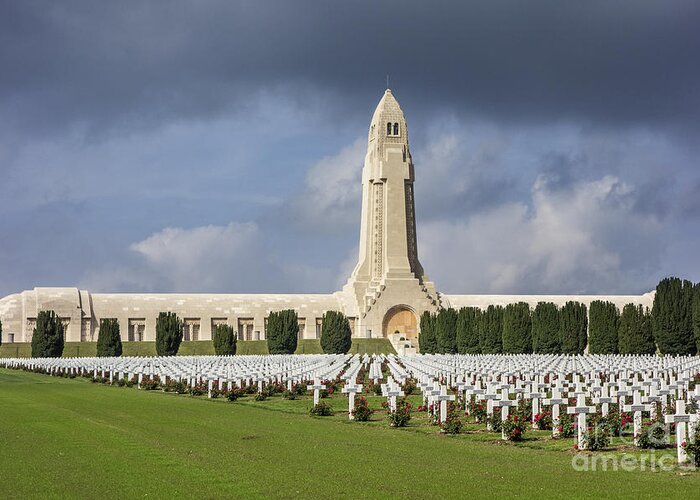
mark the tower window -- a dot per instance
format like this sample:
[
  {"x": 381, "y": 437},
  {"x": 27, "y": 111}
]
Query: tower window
[{"x": 392, "y": 129}]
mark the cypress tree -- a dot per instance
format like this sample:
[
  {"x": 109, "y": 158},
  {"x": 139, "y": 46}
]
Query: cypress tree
[
  {"x": 336, "y": 335},
  {"x": 168, "y": 334},
  {"x": 517, "y": 329},
  {"x": 635, "y": 333},
  {"x": 672, "y": 317},
  {"x": 427, "y": 341},
  {"x": 282, "y": 332},
  {"x": 224, "y": 340},
  {"x": 491, "y": 330},
  {"x": 47, "y": 339},
  {"x": 603, "y": 328},
  {"x": 446, "y": 331},
  {"x": 109, "y": 342},
  {"x": 573, "y": 326},
  {"x": 468, "y": 330},
  {"x": 545, "y": 329}
]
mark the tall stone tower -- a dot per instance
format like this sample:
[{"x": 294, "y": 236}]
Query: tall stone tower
[{"x": 388, "y": 289}]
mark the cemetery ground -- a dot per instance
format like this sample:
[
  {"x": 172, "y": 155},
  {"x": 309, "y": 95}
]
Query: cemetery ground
[{"x": 72, "y": 438}]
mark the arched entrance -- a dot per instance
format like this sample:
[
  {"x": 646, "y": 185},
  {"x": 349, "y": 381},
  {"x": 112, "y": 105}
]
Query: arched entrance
[{"x": 401, "y": 319}]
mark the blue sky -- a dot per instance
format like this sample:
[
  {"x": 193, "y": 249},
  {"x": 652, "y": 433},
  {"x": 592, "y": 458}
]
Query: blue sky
[{"x": 218, "y": 146}]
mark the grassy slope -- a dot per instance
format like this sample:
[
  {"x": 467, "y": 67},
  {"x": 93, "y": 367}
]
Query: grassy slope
[
  {"x": 71, "y": 438},
  {"x": 73, "y": 349}
]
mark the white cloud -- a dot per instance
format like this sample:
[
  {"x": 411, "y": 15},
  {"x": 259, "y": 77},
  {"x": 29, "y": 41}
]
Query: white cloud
[
  {"x": 333, "y": 187},
  {"x": 201, "y": 259},
  {"x": 584, "y": 238}
]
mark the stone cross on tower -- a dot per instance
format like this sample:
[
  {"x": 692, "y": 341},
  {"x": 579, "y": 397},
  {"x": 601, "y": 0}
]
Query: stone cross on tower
[{"x": 388, "y": 277}]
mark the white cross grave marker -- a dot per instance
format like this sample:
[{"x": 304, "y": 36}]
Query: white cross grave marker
[
  {"x": 581, "y": 410},
  {"x": 317, "y": 387},
  {"x": 681, "y": 419}
]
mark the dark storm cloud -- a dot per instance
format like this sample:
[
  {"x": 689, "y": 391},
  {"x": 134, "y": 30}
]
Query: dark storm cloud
[{"x": 101, "y": 64}]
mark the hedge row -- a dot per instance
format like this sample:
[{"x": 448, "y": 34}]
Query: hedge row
[{"x": 672, "y": 327}]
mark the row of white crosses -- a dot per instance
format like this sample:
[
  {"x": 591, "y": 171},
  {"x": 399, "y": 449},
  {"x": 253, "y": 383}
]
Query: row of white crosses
[
  {"x": 192, "y": 370},
  {"x": 647, "y": 380}
]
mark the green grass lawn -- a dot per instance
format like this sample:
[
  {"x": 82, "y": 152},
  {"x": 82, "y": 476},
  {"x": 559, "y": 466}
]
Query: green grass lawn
[
  {"x": 202, "y": 347},
  {"x": 70, "y": 438}
]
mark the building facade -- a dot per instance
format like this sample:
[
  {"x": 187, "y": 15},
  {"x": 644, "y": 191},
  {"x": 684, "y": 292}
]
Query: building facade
[{"x": 384, "y": 296}]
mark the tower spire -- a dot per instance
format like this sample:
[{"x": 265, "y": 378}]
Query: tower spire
[{"x": 388, "y": 253}]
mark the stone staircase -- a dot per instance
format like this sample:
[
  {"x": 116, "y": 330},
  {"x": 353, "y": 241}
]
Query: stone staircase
[{"x": 401, "y": 345}]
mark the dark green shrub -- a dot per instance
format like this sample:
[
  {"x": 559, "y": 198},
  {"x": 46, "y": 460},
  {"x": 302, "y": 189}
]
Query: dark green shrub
[
  {"x": 235, "y": 393},
  {"x": 652, "y": 437},
  {"x": 635, "y": 334},
  {"x": 672, "y": 317},
  {"x": 362, "y": 412},
  {"x": 544, "y": 420},
  {"x": 566, "y": 425},
  {"x": 224, "y": 340},
  {"x": 477, "y": 410},
  {"x": 48, "y": 338},
  {"x": 573, "y": 322},
  {"x": 453, "y": 422},
  {"x": 597, "y": 438},
  {"x": 168, "y": 334},
  {"x": 336, "y": 335},
  {"x": 546, "y": 338},
  {"x": 692, "y": 448},
  {"x": 282, "y": 332},
  {"x": 495, "y": 420},
  {"x": 322, "y": 409},
  {"x": 261, "y": 396},
  {"x": 514, "y": 427},
  {"x": 517, "y": 329},
  {"x": 427, "y": 340},
  {"x": 446, "y": 331},
  {"x": 409, "y": 387},
  {"x": 176, "y": 386},
  {"x": 603, "y": 328},
  {"x": 468, "y": 330},
  {"x": 402, "y": 414},
  {"x": 491, "y": 330},
  {"x": 290, "y": 395},
  {"x": 198, "y": 390},
  {"x": 109, "y": 341}
]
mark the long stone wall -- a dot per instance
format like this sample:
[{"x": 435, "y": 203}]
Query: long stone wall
[{"x": 81, "y": 311}]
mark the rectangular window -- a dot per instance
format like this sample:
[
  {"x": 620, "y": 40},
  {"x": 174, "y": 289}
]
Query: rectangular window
[
  {"x": 137, "y": 328},
  {"x": 190, "y": 329},
  {"x": 10, "y": 338},
  {"x": 302, "y": 327},
  {"x": 245, "y": 328},
  {"x": 319, "y": 327}
]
